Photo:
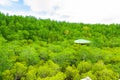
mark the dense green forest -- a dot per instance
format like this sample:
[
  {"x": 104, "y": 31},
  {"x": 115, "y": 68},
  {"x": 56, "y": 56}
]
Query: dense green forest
[{"x": 44, "y": 49}]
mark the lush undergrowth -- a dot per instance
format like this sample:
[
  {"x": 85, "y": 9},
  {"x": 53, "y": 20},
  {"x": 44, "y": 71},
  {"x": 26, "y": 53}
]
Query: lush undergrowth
[{"x": 37, "y": 49}]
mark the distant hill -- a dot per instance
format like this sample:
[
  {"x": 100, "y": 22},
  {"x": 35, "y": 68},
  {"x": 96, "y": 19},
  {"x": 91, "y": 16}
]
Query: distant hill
[{"x": 44, "y": 49}]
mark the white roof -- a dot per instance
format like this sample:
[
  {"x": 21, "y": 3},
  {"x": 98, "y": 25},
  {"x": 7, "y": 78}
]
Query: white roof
[
  {"x": 82, "y": 41},
  {"x": 87, "y": 78}
]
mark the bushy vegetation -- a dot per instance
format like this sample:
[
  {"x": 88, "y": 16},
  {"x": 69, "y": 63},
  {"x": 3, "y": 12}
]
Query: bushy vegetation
[{"x": 43, "y": 49}]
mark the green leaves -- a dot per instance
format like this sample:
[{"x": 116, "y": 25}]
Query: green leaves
[
  {"x": 84, "y": 67},
  {"x": 106, "y": 75},
  {"x": 17, "y": 72},
  {"x": 48, "y": 69},
  {"x": 37, "y": 49}
]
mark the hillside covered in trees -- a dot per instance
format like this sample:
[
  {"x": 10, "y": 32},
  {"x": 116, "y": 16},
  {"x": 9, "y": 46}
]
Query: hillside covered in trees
[{"x": 44, "y": 49}]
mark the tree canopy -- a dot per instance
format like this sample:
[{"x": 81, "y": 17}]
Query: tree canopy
[{"x": 44, "y": 49}]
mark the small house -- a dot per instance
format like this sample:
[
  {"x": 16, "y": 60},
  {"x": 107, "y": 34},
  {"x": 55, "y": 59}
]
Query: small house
[{"x": 82, "y": 41}]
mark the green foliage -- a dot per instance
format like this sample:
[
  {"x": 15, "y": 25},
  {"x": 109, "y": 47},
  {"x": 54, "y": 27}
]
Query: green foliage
[
  {"x": 31, "y": 74},
  {"x": 106, "y": 75},
  {"x": 44, "y": 49},
  {"x": 90, "y": 74},
  {"x": 17, "y": 72},
  {"x": 6, "y": 75},
  {"x": 98, "y": 66},
  {"x": 84, "y": 67},
  {"x": 71, "y": 72},
  {"x": 63, "y": 58},
  {"x": 48, "y": 69},
  {"x": 58, "y": 76},
  {"x": 29, "y": 55}
]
